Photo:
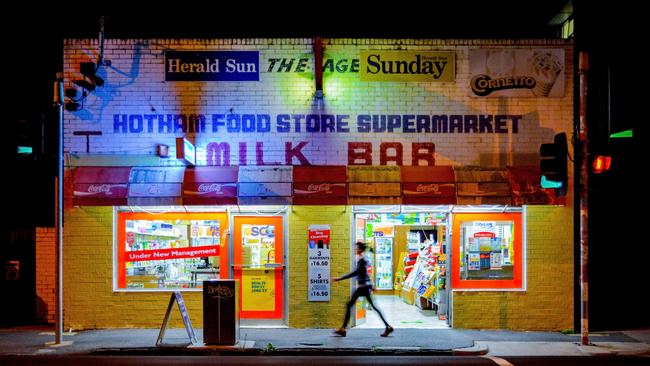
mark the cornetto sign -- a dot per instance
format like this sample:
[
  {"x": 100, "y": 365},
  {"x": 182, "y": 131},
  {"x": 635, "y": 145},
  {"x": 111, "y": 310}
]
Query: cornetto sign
[
  {"x": 212, "y": 66},
  {"x": 407, "y": 66}
]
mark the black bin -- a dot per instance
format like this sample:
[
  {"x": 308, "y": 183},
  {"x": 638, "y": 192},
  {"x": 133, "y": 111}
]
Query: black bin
[{"x": 221, "y": 312}]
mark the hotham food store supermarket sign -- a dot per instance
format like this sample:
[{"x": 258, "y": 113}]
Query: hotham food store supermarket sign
[{"x": 212, "y": 66}]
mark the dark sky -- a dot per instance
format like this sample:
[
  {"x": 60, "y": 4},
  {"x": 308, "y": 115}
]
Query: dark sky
[{"x": 479, "y": 19}]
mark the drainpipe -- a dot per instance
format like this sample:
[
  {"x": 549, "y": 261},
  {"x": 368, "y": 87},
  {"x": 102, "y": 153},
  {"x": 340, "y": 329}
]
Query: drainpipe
[
  {"x": 318, "y": 66},
  {"x": 584, "y": 190}
]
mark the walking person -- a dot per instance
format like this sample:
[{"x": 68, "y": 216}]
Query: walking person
[{"x": 364, "y": 288}]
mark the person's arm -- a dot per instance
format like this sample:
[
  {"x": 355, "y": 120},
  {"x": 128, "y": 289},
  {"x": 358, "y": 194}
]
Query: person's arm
[
  {"x": 344, "y": 277},
  {"x": 355, "y": 273}
]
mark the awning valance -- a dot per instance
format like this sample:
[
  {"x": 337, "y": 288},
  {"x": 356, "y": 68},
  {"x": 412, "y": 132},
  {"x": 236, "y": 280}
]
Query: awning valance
[
  {"x": 210, "y": 185},
  {"x": 308, "y": 185},
  {"x": 482, "y": 186},
  {"x": 320, "y": 185},
  {"x": 526, "y": 188},
  {"x": 155, "y": 186},
  {"x": 428, "y": 185},
  {"x": 101, "y": 186}
]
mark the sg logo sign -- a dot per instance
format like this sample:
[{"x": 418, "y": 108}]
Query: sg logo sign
[{"x": 268, "y": 231}]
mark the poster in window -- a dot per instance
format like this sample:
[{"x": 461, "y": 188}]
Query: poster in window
[
  {"x": 474, "y": 262},
  {"x": 319, "y": 263}
]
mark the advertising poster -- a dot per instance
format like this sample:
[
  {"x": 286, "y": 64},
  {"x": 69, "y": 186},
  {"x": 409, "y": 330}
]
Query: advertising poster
[
  {"x": 258, "y": 287},
  {"x": 522, "y": 73},
  {"x": 319, "y": 263}
]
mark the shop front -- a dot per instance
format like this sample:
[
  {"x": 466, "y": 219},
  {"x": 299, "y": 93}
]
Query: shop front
[
  {"x": 427, "y": 260},
  {"x": 272, "y": 186},
  {"x": 179, "y": 250}
]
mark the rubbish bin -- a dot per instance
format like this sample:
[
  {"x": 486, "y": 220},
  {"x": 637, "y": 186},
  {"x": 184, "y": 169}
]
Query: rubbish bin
[{"x": 221, "y": 312}]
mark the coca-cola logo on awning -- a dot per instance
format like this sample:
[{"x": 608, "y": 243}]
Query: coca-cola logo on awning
[
  {"x": 209, "y": 187},
  {"x": 427, "y": 188},
  {"x": 99, "y": 188},
  {"x": 322, "y": 187},
  {"x": 154, "y": 189}
]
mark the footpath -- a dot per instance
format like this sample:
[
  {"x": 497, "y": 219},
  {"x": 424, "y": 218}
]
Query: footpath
[{"x": 287, "y": 341}]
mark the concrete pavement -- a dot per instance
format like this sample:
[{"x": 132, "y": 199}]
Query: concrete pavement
[{"x": 32, "y": 340}]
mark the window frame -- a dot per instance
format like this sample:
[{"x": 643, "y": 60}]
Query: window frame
[
  {"x": 119, "y": 264},
  {"x": 517, "y": 283}
]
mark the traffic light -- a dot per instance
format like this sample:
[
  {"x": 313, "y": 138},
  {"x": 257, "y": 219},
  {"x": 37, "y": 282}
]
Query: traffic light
[
  {"x": 601, "y": 164},
  {"x": 24, "y": 137},
  {"x": 553, "y": 164}
]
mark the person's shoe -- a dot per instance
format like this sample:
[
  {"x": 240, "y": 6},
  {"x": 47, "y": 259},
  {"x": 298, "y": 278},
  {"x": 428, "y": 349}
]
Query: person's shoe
[
  {"x": 388, "y": 331},
  {"x": 341, "y": 331}
]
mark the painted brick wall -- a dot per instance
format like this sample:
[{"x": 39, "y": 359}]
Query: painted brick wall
[
  {"x": 88, "y": 296},
  {"x": 548, "y": 302},
  {"x": 45, "y": 274},
  {"x": 135, "y": 89},
  {"x": 303, "y": 313},
  {"x": 137, "y": 92}
]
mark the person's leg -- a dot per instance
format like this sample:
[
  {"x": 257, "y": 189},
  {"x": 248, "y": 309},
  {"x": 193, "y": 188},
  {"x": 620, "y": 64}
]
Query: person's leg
[
  {"x": 369, "y": 297},
  {"x": 348, "y": 307}
]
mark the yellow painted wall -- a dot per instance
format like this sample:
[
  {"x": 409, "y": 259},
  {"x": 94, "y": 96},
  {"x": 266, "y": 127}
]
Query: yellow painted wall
[
  {"x": 547, "y": 303},
  {"x": 90, "y": 302},
  {"x": 88, "y": 297},
  {"x": 302, "y": 313}
]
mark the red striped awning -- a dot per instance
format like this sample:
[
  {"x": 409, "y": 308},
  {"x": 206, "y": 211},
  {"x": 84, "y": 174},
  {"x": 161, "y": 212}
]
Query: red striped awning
[
  {"x": 210, "y": 185},
  {"x": 155, "y": 186},
  {"x": 526, "y": 188},
  {"x": 428, "y": 185},
  {"x": 307, "y": 185},
  {"x": 320, "y": 185},
  {"x": 482, "y": 186},
  {"x": 101, "y": 186}
]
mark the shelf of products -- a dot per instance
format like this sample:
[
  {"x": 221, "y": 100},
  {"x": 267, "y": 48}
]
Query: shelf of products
[
  {"x": 159, "y": 238},
  {"x": 384, "y": 263},
  {"x": 425, "y": 281}
]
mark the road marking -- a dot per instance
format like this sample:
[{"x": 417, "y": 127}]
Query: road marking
[{"x": 499, "y": 361}]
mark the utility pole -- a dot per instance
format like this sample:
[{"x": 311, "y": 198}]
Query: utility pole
[
  {"x": 58, "y": 102},
  {"x": 584, "y": 206}
]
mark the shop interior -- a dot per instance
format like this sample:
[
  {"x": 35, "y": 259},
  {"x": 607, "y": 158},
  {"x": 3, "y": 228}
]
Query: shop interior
[
  {"x": 153, "y": 239},
  {"x": 407, "y": 252}
]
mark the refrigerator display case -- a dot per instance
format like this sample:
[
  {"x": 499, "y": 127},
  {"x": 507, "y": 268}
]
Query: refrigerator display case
[{"x": 384, "y": 263}]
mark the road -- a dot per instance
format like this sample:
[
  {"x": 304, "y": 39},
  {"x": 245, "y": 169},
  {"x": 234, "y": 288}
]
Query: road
[{"x": 317, "y": 360}]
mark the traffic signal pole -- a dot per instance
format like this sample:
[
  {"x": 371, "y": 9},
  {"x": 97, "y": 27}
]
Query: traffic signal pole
[
  {"x": 58, "y": 102},
  {"x": 584, "y": 189}
]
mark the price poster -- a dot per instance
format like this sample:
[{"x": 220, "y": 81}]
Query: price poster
[{"x": 319, "y": 263}]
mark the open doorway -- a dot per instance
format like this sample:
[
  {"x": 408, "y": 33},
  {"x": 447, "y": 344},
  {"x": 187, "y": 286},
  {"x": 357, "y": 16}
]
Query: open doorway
[{"x": 408, "y": 267}]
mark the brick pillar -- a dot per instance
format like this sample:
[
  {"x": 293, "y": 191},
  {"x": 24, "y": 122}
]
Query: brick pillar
[{"x": 45, "y": 274}]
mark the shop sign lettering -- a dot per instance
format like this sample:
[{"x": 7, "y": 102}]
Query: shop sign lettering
[{"x": 212, "y": 66}]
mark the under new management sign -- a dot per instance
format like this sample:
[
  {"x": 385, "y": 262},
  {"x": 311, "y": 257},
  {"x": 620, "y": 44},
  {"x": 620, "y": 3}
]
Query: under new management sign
[{"x": 408, "y": 66}]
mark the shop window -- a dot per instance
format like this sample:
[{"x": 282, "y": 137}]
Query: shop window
[
  {"x": 170, "y": 250},
  {"x": 487, "y": 251}
]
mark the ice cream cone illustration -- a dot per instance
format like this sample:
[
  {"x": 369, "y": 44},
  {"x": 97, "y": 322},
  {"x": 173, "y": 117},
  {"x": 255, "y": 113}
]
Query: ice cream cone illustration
[{"x": 545, "y": 68}]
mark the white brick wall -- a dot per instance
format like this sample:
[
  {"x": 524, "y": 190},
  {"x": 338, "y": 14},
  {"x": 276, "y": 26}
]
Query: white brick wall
[{"x": 135, "y": 85}]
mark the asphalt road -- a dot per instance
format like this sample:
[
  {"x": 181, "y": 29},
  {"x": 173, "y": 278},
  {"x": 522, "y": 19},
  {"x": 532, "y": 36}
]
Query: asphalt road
[{"x": 316, "y": 360}]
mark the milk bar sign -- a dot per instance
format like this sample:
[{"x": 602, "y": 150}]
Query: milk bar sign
[{"x": 212, "y": 66}]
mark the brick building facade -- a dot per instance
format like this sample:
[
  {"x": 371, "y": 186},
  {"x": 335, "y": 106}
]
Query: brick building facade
[{"x": 275, "y": 118}]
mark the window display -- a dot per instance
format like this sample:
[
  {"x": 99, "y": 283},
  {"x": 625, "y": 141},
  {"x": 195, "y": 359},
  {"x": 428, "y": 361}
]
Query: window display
[
  {"x": 426, "y": 282},
  {"x": 384, "y": 263},
  {"x": 163, "y": 251},
  {"x": 488, "y": 250}
]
